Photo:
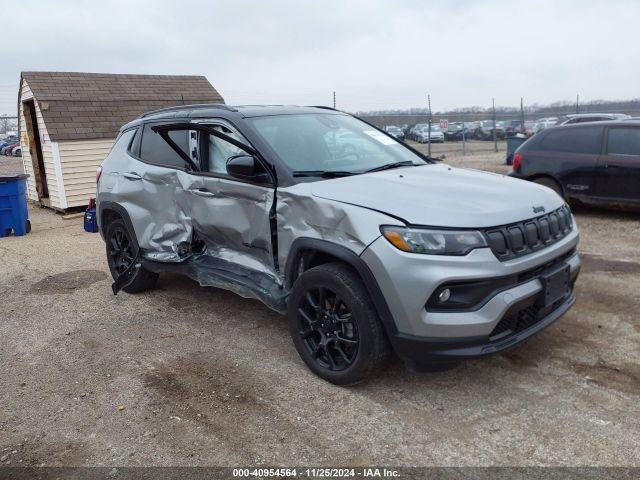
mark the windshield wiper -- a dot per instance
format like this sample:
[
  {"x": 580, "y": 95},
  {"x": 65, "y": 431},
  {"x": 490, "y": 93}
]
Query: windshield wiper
[
  {"x": 389, "y": 166},
  {"x": 322, "y": 173}
]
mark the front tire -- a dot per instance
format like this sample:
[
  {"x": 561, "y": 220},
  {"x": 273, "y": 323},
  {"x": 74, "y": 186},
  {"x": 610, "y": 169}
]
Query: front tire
[
  {"x": 122, "y": 250},
  {"x": 334, "y": 325}
]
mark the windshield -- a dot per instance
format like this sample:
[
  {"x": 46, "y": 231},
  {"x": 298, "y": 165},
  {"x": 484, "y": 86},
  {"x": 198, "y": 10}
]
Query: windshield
[{"x": 330, "y": 142}]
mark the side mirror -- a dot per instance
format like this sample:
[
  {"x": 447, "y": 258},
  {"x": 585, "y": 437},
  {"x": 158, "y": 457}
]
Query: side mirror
[{"x": 246, "y": 167}]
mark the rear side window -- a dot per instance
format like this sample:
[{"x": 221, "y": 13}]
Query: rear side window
[
  {"x": 573, "y": 140},
  {"x": 155, "y": 150},
  {"x": 134, "y": 147},
  {"x": 624, "y": 141}
]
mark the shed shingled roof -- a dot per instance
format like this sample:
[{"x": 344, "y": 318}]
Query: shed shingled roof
[{"x": 79, "y": 106}]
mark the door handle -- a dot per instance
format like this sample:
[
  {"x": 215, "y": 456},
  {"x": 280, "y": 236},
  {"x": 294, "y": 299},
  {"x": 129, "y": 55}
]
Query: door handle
[
  {"x": 202, "y": 192},
  {"x": 132, "y": 176}
]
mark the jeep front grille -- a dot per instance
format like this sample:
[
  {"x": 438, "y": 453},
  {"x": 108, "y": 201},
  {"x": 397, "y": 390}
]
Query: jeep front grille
[{"x": 522, "y": 238}]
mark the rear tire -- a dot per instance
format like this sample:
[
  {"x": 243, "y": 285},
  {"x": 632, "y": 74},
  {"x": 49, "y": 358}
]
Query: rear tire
[
  {"x": 122, "y": 249},
  {"x": 550, "y": 183},
  {"x": 334, "y": 325}
]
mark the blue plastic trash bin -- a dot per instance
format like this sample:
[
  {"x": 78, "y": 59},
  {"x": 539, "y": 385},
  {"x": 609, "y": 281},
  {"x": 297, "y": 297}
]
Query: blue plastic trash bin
[
  {"x": 14, "y": 215},
  {"x": 512, "y": 145}
]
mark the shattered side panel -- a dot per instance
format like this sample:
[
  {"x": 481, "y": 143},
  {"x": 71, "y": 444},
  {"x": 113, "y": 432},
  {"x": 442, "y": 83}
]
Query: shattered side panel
[
  {"x": 222, "y": 239},
  {"x": 300, "y": 214}
]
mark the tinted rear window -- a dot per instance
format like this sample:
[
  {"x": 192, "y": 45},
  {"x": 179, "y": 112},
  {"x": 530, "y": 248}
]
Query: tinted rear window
[
  {"x": 155, "y": 150},
  {"x": 573, "y": 140},
  {"x": 624, "y": 141}
]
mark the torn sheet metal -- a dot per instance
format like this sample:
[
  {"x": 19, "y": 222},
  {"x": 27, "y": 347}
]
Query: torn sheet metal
[{"x": 209, "y": 271}]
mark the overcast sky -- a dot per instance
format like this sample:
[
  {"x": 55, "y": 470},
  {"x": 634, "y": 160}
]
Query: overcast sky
[{"x": 375, "y": 54}]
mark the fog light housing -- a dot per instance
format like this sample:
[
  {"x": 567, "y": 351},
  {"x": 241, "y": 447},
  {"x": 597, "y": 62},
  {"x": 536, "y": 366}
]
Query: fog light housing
[{"x": 444, "y": 295}]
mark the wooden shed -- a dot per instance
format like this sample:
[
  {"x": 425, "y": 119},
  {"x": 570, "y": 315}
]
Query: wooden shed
[{"x": 68, "y": 122}]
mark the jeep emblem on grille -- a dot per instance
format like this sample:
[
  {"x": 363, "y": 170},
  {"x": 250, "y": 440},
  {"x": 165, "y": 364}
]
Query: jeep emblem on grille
[{"x": 538, "y": 209}]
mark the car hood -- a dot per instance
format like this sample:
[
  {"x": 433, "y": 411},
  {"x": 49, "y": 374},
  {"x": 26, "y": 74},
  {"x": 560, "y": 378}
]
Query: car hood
[{"x": 442, "y": 196}]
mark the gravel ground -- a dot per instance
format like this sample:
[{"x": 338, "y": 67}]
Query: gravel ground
[
  {"x": 10, "y": 165},
  {"x": 186, "y": 375}
]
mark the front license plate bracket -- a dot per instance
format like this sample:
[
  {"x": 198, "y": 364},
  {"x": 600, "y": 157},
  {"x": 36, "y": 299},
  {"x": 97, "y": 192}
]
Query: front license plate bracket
[{"x": 555, "y": 284}]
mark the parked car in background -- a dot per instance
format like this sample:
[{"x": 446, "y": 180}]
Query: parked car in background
[
  {"x": 9, "y": 139},
  {"x": 484, "y": 131},
  {"x": 413, "y": 131},
  {"x": 17, "y": 152},
  {"x": 543, "y": 123},
  {"x": 513, "y": 127},
  {"x": 6, "y": 150},
  {"x": 7, "y": 142},
  {"x": 455, "y": 131},
  {"x": 471, "y": 127},
  {"x": 591, "y": 117},
  {"x": 591, "y": 162},
  {"x": 376, "y": 250},
  {"x": 396, "y": 132},
  {"x": 436, "y": 136}
]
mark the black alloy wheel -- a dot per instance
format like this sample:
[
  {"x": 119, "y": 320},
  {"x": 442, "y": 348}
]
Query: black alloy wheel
[
  {"x": 327, "y": 328},
  {"x": 121, "y": 249}
]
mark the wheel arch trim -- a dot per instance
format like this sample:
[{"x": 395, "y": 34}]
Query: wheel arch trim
[
  {"x": 355, "y": 261},
  {"x": 534, "y": 176},
  {"x": 104, "y": 207}
]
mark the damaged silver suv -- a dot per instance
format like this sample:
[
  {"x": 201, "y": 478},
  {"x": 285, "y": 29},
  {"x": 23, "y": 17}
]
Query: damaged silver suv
[{"x": 367, "y": 245}]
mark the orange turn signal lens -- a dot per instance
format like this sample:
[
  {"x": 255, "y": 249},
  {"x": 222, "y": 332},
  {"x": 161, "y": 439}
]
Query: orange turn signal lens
[{"x": 396, "y": 240}]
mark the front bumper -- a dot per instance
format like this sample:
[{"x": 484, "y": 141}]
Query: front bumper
[
  {"x": 421, "y": 350},
  {"x": 407, "y": 281}
]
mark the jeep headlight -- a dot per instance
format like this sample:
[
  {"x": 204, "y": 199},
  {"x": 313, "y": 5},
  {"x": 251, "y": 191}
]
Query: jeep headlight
[{"x": 433, "y": 241}]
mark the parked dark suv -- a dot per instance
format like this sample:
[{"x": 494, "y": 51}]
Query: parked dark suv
[{"x": 591, "y": 162}]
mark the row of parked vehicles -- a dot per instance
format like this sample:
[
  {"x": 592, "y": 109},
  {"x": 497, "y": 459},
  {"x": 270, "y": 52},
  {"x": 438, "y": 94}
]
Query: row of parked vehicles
[
  {"x": 484, "y": 129},
  {"x": 10, "y": 146}
]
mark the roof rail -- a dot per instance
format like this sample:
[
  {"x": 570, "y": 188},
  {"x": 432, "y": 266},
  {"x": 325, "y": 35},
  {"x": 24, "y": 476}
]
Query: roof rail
[
  {"x": 324, "y": 107},
  {"x": 221, "y": 106}
]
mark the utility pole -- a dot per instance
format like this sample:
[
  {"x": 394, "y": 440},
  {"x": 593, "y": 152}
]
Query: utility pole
[
  {"x": 464, "y": 134},
  {"x": 429, "y": 123},
  {"x": 495, "y": 138},
  {"x": 578, "y": 103},
  {"x": 522, "y": 115}
]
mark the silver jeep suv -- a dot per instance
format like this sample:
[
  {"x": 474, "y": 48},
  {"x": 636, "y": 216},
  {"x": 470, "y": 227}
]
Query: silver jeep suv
[{"x": 367, "y": 245}]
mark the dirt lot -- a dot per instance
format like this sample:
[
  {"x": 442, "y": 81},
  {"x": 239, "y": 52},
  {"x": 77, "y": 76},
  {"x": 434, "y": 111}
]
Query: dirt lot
[
  {"x": 186, "y": 375},
  {"x": 10, "y": 165}
]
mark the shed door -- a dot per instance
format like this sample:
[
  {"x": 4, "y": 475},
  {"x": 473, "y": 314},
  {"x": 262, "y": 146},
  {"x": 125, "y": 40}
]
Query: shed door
[{"x": 35, "y": 148}]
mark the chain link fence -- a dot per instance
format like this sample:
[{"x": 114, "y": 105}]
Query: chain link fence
[{"x": 482, "y": 130}]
